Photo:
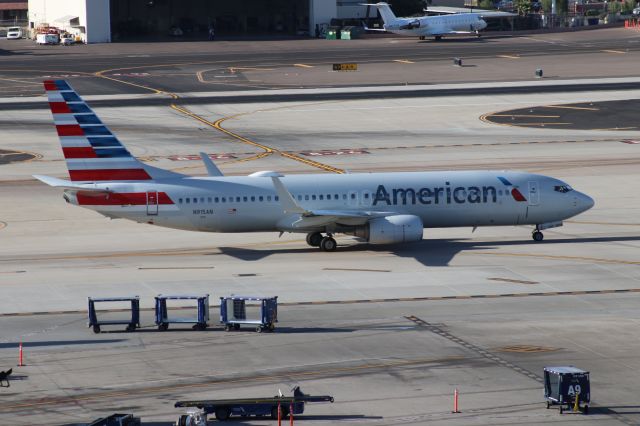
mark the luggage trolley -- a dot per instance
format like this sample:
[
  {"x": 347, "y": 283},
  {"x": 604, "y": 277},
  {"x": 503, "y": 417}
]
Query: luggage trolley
[
  {"x": 162, "y": 314},
  {"x": 568, "y": 386},
  {"x": 233, "y": 312},
  {"x": 132, "y": 324}
]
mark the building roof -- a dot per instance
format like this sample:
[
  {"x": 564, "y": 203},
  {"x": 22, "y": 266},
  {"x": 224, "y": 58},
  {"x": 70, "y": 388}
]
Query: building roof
[{"x": 17, "y": 5}]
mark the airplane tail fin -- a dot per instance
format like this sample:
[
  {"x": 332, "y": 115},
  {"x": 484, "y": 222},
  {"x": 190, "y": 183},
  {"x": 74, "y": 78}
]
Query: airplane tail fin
[
  {"x": 91, "y": 151},
  {"x": 385, "y": 11}
]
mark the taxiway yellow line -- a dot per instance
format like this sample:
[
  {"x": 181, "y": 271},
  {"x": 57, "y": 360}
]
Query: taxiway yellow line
[
  {"x": 303, "y": 65},
  {"x": 619, "y": 52},
  {"x": 403, "y": 61},
  {"x": 571, "y": 107},
  {"x": 523, "y": 115},
  {"x": 509, "y": 56}
]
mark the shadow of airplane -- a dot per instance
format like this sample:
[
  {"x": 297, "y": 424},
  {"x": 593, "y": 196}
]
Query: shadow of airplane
[{"x": 434, "y": 252}]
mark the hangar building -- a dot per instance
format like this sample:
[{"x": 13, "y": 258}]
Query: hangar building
[{"x": 99, "y": 21}]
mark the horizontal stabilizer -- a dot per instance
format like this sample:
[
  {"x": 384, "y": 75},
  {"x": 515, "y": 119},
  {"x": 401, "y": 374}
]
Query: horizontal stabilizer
[{"x": 68, "y": 185}]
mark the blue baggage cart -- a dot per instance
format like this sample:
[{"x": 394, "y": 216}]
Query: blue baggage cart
[
  {"x": 132, "y": 323},
  {"x": 259, "y": 312},
  {"x": 199, "y": 321}
]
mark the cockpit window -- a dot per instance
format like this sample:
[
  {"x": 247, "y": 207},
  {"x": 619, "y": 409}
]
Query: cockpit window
[{"x": 562, "y": 188}]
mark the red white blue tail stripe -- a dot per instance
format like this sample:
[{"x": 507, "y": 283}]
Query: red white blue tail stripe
[{"x": 92, "y": 152}]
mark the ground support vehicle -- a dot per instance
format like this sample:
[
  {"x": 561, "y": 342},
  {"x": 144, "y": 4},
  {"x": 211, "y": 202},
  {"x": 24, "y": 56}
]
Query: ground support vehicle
[
  {"x": 225, "y": 408},
  {"x": 132, "y": 323},
  {"x": 567, "y": 386},
  {"x": 199, "y": 321},
  {"x": 260, "y": 312}
]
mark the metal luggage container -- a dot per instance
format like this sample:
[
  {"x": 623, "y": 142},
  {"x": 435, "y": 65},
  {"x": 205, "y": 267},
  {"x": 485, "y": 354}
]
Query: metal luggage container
[
  {"x": 258, "y": 312},
  {"x": 567, "y": 386},
  {"x": 199, "y": 321},
  {"x": 132, "y": 323}
]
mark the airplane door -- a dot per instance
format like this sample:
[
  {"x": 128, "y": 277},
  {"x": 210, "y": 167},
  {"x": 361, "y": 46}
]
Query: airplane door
[
  {"x": 152, "y": 203},
  {"x": 534, "y": 193}
]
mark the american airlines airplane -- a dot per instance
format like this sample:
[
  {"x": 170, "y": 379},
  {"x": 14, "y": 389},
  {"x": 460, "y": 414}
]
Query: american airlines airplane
[
  {"x": 378, "y": 208},
  {"x": 437, "y": 26}
]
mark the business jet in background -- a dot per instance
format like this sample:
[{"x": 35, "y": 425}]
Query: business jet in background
[
  {"x": 378, "y": 208},
  {"x": 426, "y": 26}
]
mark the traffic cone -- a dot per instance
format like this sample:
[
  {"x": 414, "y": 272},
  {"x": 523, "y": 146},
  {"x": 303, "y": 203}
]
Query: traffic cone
[
  {"x": 455, "y": 402},
  {"x": 20, "y": 359},
  {"x": 291, "y": 414}
]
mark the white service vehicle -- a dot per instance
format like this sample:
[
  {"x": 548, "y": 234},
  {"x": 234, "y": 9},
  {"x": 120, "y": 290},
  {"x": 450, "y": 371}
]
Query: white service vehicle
[
  {"x": 14, "y": 33},
  {"x": 47, "y": 39}
]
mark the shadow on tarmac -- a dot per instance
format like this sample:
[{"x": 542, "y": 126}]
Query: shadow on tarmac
[
  {"x": 48, "y": 343},
  {"x": 438, "y": 252}
]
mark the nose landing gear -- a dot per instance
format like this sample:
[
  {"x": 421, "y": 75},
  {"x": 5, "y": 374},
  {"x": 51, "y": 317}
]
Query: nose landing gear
[{"x": 537, "y": 235}]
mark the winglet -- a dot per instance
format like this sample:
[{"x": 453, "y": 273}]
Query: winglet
[
  {"x": 289, "y": 203},
  {"x": 212, "y": 169}
]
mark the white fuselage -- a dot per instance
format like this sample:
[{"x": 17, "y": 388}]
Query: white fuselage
[
  {"x": 249, "y": 204},
  {"x": 436, "y": 25}
]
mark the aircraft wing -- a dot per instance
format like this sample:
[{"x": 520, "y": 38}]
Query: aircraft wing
[{"x": 309, "y": 218}]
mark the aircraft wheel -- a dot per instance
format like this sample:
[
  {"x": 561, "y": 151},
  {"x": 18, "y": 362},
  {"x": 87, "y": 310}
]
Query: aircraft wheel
[
  {"x": 328, "y": 244},
  {"x": 438, "y": 38},
  {"x": 538, "y": 236},
  {"x": 222, "y": 413},
  {"x": 96, "y": 329},
  {"x": 422, "y": 37},
  {"x": 314, "y": 239},
  {"x": 586, "y": 409}
]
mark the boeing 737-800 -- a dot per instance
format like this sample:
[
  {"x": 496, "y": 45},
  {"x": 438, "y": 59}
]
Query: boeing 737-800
[
  {"x": 379, "y": 208},
  {"x": 421, "y": 27}
]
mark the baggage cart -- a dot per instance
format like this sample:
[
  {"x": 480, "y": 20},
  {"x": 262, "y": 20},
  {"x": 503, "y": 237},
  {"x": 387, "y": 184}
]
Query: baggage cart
[
  {"x": 132, "y": 323},
  {"x": 258, "y": 312},
  {"x": 567, "y": 386},
  {"x": 225, "y": 408},
  {"x": 199, "y": 321}
]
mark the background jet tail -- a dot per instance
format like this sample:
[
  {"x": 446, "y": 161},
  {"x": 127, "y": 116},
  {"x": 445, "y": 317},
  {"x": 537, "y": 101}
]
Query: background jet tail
[
  {"x": 91, "y": 151},
  {"x": 385, "y": 11}
]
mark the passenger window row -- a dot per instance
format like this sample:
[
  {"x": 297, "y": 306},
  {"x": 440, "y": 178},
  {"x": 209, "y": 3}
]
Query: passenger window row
[
  {"x": 268, "y": 198},
  {"x": 245, "y": 199}
]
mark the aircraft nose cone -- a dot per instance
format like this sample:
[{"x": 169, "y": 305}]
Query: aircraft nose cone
[{"x": 585, "y": 202}]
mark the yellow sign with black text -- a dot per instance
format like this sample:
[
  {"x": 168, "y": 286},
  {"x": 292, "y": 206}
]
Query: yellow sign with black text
[{"x": 345, "y": 67}]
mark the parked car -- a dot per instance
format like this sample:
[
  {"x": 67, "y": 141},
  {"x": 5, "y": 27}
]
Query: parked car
[{"x": 14, "y": 33}]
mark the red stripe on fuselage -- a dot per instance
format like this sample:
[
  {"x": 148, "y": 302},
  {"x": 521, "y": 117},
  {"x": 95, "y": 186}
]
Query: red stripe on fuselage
[
  {"x": 517, "y": 195},
  {"x": 69, "y": 130},
  {"x": 106, "y": 174},
  {"x": 119, "y": 199},
  {"x": 79, "y": 152},
  {"x": 59, "y": 108}
]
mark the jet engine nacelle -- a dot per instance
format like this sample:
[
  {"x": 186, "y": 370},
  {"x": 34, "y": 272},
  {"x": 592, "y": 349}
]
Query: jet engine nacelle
[
  {"x": 411, "y": 25},
  {"x": 402, "y": 228}
]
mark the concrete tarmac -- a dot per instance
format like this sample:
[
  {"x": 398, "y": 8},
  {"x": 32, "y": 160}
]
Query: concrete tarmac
[
  {"x": 390, "y": 332},
  {"x": 496, "y": 306}
]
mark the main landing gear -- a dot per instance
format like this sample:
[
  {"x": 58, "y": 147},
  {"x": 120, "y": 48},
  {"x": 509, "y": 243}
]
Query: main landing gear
[
  {"x": 422, "y": 37},
  {"x": 326, "y": 243},
  {"x": 537, "y": 235}
]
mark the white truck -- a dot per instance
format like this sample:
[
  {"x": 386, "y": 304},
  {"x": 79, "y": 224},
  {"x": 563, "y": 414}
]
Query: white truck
[{"x": 47, "y": 39}]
